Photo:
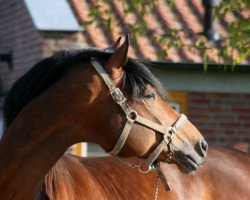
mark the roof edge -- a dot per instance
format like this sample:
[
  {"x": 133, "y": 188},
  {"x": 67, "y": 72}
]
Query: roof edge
[{"x": 198, "y": 67}]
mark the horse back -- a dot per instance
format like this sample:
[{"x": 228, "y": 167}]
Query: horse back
[{"x": 225, "y": 175}]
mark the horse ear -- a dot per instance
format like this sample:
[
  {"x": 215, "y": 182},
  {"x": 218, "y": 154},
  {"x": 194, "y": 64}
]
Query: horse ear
[
  {"x": 119, "y": 58},
  {"x": 116, "y": 44}
]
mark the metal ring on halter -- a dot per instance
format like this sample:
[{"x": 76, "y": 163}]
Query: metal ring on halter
[
  {"x": 146, "y": 171},
  {"x": 132, "y": 115}
]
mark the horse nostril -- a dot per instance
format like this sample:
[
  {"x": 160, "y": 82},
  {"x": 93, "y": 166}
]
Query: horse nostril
[{"x": 203, "y": 147}]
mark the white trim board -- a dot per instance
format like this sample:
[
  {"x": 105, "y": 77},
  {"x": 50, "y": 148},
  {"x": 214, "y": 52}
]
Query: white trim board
[{"x": 204, "y": 82}]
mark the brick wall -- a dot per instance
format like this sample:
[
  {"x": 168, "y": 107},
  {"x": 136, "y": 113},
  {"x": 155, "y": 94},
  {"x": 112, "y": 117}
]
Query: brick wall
[
  {"x": 28, "y": 45},
  {"x": 17, "y": 34},
  {"x": 56, "y": 41},
  {"x": 223, "y": 118}
]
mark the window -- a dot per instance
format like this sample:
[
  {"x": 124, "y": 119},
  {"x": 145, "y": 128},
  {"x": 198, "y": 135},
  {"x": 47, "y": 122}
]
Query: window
[
  {"x": 175, "y": 106},
  {"x": 179, "y": 101}
]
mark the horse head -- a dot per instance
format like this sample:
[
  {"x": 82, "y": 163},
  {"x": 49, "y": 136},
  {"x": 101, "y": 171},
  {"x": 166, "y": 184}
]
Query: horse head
[{"x": 129, "y": 115}]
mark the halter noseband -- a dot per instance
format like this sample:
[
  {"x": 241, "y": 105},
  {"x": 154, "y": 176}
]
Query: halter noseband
[{"x": 132, "y": 116}]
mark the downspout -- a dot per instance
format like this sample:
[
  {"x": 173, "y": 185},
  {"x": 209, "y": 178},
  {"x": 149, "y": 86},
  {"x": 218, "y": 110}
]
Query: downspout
[{"x": 209, "y": 29}]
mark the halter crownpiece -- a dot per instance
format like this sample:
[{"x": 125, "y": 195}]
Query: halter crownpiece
[{"x": 132, "y": 116}]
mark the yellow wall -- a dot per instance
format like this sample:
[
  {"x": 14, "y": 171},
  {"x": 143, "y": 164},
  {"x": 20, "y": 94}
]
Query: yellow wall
[{"x": 182, "y": 99}]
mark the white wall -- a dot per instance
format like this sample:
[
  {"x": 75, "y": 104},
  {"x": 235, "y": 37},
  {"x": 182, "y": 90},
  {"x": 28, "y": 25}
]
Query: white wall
[{"x": 205, "y": 82}]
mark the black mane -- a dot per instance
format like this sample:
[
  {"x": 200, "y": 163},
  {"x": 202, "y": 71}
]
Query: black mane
[{"x": 46, "y": 72}]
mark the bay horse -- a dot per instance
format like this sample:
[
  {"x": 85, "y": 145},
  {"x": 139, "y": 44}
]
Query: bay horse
[
  {"x": 92, "y": 95},
  {"x": 224, "y": 176}
]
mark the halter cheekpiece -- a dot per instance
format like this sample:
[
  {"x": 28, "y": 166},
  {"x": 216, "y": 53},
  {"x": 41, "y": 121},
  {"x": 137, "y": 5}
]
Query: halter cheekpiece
[{"x": 132, "y": 116}]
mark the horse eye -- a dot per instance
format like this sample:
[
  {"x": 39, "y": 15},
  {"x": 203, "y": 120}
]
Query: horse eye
[{"x": 150, "y": 96}]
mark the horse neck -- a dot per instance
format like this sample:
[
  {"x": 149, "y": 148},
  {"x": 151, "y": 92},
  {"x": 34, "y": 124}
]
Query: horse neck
[
  {"x": 37, "y": 138},
  {"x": 28, "y": 155}
]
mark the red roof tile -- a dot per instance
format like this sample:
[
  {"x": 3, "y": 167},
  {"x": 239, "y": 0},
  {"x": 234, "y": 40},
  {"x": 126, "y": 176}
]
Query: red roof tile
[{"x": 187, "y": 14}]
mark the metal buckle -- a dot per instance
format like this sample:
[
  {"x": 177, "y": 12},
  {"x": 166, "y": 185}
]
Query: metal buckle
[
  {"x": 167, "y": 139},
  {"x": 117, "y": 95},
  {"x": 172, "y": 130}
]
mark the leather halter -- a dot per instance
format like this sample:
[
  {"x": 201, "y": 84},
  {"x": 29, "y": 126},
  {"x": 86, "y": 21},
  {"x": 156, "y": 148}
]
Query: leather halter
[{"x": 132, "y": 116}]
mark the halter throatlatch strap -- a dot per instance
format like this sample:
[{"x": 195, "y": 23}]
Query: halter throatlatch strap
[{"x": 132, "y": 117}]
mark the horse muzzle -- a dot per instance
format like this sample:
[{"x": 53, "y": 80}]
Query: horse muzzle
[{"x": 189, "y": 161}]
